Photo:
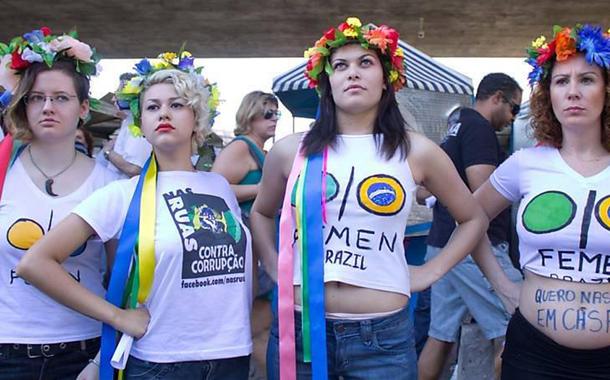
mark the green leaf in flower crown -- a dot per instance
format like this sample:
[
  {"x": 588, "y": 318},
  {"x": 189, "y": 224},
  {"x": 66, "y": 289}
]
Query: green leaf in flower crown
[
  {"x": 48, "y": 59},
  {"x": 323, "y": 50},
  {"x": 134, "y": 107},
  {"x": 316, "y": 71},
  {"x": 328, "y": 68}
]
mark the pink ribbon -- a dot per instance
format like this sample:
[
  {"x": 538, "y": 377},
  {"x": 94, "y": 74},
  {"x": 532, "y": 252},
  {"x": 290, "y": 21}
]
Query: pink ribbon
[{"x": 288, "y": 359}]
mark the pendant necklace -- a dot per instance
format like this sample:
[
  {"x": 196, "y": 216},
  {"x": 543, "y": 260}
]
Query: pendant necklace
[{"x": 50, "y": 178}]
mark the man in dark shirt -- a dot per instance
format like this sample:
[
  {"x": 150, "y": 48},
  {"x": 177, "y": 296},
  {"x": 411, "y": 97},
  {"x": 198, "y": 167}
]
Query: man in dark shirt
[{"x": 472, "y": 145}]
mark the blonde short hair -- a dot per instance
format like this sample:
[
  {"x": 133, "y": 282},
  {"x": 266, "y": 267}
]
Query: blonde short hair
[{"x": 192, "y": 88}]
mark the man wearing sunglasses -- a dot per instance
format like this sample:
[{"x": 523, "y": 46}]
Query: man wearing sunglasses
[{"x": 472, "y": 145}]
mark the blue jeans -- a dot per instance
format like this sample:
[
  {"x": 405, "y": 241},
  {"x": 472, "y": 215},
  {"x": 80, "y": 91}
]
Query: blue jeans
[
  {"x": 219, "y": 369},
  {"x": 16, "y": 365},
  {"x": 380, "y": 348}
]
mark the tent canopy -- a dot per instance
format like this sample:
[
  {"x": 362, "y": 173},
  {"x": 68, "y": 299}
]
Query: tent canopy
[{"x": 423, "y": 73}]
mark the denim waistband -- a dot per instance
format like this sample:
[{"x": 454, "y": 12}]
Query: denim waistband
[{"x": 345, "y": 327}]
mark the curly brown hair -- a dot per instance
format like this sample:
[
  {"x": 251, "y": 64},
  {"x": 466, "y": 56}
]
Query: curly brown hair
[{"x": 545, "y": 126}]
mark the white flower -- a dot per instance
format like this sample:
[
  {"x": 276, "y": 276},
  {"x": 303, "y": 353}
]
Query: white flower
[{"x": 31, "y": 56}]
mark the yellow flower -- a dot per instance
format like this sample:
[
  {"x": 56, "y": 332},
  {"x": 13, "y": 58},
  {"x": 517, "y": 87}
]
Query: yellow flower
[
  {"x": 186, "y": 54},
  {"x": 214, "y": 99},
  {"x": 132, "y": 87},
  {"x": 539, "y": 42},
  {"x": 350, "y": 32},
  {"x": 399, "y": 52},
  {"x": 160, "y": 65},
  {"x": 169, "y": 56},
  {"x": 354, "y": 22},
  {"x": 309, "y": 52},
  {"x": 393, "y": 76}
]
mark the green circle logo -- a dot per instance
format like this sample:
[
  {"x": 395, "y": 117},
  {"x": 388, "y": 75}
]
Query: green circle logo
[
  {"x": 332, "y": 189},
  {"x": 548, "y": 212}
]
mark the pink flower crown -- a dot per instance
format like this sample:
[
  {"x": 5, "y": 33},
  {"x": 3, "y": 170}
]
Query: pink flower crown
[{"x": 382, "y": 38}]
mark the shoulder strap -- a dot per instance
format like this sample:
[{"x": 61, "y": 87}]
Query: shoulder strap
[{"x": 255, "y": 151}]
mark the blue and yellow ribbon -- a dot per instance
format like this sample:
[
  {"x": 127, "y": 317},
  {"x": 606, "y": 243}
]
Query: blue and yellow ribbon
[{"x": 136, "y": 255}]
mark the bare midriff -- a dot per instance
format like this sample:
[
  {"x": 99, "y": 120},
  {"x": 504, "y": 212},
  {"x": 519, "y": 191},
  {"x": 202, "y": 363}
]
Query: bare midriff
[
  {"x": 573, "y": 314},
  {"x": 344, "y": 298}
]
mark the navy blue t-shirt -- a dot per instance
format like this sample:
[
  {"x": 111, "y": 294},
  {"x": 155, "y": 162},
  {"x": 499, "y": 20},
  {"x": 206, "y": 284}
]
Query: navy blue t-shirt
[{"x": 469, "y": 141}]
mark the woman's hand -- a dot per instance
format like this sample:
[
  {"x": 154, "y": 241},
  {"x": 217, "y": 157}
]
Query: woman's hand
[
  {"x": 422, "y": 277},
  {"x": 509, "y": 293},
  {"x": 133, "y": 322}
]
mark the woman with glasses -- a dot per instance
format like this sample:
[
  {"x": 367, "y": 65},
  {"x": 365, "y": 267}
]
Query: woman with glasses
[
  {"x": 48, "y": 177},
  {"x": 561, "y": 329},
  {"x": 241, "y": 163}
]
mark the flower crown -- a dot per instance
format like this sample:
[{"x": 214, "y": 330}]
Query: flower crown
[
  {"x": 382, "y": 38},
  {"x": 586, "y": 39},
  {"x": 41, "y": 46},
  {"x": 182, "y": 61}
]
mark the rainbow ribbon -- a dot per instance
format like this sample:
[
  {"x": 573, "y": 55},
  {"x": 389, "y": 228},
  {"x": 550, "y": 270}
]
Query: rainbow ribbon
[
  {"x": 134, "y": 255},
  {"x": 309, "y": 221}
]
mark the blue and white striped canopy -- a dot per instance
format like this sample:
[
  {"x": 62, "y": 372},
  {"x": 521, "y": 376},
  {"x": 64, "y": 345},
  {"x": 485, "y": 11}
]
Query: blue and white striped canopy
[{"x": 423, "y": 73}]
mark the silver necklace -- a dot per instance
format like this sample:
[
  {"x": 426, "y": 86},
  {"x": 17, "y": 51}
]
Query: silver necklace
[{"x": 50, "y": 178}]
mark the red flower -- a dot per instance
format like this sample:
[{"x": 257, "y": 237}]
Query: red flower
[
  {"x": 330, "y": 34},
  {"x": 546, "y": 53},
  {"x": 17, "y": 63},
  {"x": 397, "y": 62},
  {"x": 343, "y": 26},
  {"x": 45, "y": 31}
]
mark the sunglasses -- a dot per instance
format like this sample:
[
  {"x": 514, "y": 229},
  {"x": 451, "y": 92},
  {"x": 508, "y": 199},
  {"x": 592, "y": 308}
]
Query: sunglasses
[
  {"x": 269, "y": 114},
  {"x": 514, "y": 108}
]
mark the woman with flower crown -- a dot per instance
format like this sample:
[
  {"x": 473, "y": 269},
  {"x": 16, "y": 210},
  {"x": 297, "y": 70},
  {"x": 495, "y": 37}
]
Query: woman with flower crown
[
  {"x": 188, "y": 294},
  {"x": 561, "y": 329},
  {"x": 42, "y": 177},
  {"x": 347, "y": 186}
]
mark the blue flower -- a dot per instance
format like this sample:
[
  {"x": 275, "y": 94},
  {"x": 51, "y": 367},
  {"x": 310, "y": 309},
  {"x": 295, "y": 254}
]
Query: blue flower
[
  {"x": 34, "y": 37},
  {"x": 186, "y": 63},
  {"x": 143, "y": 67},
  {"x": 536, "y": 74},
  {"x": 596, "y": 47}
]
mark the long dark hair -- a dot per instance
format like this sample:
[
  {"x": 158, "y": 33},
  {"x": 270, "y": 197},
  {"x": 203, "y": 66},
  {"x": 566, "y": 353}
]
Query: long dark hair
[{"x": 389, "y": 122}]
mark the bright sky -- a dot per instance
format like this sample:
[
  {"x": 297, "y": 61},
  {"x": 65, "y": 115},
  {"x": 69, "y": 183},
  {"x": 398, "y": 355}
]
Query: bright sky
[{"x": 238, "y": 76}]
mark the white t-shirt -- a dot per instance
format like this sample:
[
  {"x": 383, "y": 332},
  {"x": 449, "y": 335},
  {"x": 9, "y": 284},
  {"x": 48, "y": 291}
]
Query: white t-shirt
[
  {"x": 134, "y": 150},
  {"x": 26, "y": 214},
  {"x": 564, "y": 218},
  {"x": 200, "y": 299},
  {"x": 368, "y": 200}
]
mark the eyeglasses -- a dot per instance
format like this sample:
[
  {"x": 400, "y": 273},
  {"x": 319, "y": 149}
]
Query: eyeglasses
[
  {"x": 37, "y": 100},
  {"x": 514, "y": 108},
  {"x": 271, "y": 113}
]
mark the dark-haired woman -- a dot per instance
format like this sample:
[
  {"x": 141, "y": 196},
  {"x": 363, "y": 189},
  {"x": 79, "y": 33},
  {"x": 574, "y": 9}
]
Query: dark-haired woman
[{"x": 371, "y": 164}]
